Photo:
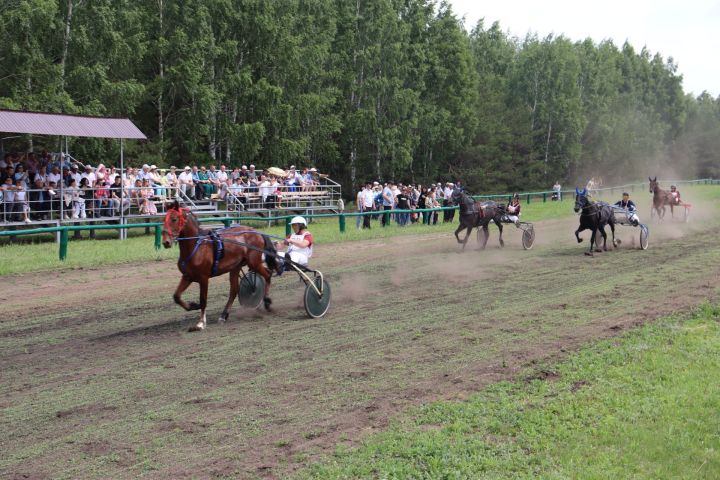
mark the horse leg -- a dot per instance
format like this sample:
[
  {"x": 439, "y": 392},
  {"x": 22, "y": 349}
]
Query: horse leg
[
  {"x": 234, "y": 288},
  {"x": 486, "y": 236},
  {"x": 592, "y": 241},
  {"x": 177, "y": 296},
  {"x": 577, "y": 234},
  {"x": 612, "y": 229},
  {"x": 460, "y": 227},
  {"x": 202, "y": 323},
  {"x": 267, "y": 275},
  {"x": 500, "y": 227},
  {"x": 604, "y": 236},
  {"x": 467, "y": 237}
]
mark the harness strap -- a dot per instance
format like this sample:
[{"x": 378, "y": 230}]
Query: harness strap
[
  {"x": 183, "y": 263},
  {"x": 218, "y": 251}
]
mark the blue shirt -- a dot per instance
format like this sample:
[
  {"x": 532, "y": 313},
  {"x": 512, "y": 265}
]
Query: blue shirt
[{"x": 387, "y": 193}]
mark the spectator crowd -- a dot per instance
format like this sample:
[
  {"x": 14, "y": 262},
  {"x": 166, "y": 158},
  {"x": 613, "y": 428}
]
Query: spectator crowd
[
  {"x": 378, "y": 198},
  {"x": 35, "y": 186}
]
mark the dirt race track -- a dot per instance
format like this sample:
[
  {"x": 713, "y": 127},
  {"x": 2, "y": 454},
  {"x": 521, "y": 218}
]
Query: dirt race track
[{"x": 100, "y": 378}]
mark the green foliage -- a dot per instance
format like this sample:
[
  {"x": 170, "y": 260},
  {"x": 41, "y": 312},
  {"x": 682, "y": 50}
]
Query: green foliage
[{"x": 371, "y": 89}]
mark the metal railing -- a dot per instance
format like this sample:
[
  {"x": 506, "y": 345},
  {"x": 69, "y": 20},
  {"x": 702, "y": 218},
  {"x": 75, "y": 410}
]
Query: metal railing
[{"x": 61, "y": 205}]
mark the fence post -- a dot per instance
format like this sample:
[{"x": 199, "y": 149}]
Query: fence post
[
  {"x": 226, "y": 222},
  {"x": 528, "y": 198},
  {"x": 544, "y": 197},
  {"x": 288, "y": 227},
  {"x": 341, "y": 221},
  {"x": 63, "y": 244},
  {"x": 158, "y": 237}
]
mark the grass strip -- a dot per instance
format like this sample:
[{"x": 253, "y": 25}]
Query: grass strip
[{"x": 643, "y": 405}]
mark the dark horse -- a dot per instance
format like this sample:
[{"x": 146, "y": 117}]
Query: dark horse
[
  {"x": 477, "y": 214},
  {"x": 594, "y": 216},
  {"x": 199, "y": 259},
  {"x": 661, "y": 199}
]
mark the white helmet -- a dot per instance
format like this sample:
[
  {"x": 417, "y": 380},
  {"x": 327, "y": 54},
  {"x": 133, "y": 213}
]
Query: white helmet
[{"x": 299, "y": 220}]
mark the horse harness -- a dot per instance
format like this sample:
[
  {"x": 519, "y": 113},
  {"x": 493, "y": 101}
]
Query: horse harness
[{"x": 218, "y": 251}]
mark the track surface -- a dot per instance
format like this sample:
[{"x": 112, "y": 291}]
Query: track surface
[{"x": 100, "y": 379}]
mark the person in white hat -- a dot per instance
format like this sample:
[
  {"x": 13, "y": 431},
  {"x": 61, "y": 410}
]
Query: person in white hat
[
  {"x": 299, "y": 243},
  {"x": 185, "y": 181}
]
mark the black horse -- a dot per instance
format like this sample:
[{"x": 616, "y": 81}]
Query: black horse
[
  {"x": 594, "y": 216},
  {"x": 475, "y": 215}
]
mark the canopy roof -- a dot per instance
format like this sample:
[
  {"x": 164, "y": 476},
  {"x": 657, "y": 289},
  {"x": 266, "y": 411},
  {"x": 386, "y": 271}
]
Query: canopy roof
[{"x": 64, "y": 125}]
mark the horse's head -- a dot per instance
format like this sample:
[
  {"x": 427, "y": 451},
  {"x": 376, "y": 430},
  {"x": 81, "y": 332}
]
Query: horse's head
[
  {"x": 581, "y": 199},
  {"x": 457, "y": 197},
  {"x": 653, "y": 184},
  {"x": 174, "y": 223}
]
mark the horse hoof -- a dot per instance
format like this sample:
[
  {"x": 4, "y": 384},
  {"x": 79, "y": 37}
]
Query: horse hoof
[
  {"x": 267, "y": 302},
  {"x": 196, "y": 328},
  {"x": 223, "y": 318},
  {"x": 579, "y": 240},
  {"x": 589, "y": 254},
  {"x": 194, "y": 306},
  {"x": 598, "y": 250}
]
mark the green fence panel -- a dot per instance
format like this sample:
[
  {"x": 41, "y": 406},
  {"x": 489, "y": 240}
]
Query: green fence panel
[
  {"x": 63, "y": 244},
  {"x": 158, "y": 237},
  {"x": 341, "y": 221}
]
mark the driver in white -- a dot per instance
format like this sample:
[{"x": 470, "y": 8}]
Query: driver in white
[{"x": 299, "y": 243}]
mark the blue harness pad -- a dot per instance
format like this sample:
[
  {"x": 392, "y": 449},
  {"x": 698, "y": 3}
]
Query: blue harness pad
[{"x": 218, "y": 250}]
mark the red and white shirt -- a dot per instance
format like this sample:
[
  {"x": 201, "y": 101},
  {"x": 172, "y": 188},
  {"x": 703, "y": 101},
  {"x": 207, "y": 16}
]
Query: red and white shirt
[{"x": 305, "y": 235}]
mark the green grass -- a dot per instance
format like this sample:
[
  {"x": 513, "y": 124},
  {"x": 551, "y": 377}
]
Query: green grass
[
  {"x": 40, "y": 253},
  {"x": 640, "y": 406}
]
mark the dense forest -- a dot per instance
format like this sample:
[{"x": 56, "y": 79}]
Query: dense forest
[{"x": 361, "y": 89}]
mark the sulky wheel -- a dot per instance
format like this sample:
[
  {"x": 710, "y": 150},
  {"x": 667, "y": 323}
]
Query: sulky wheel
[
  {"x": 252, "y": 290},
  {"x": 528, "y": 237},
  {"x": 644, "y": 234},
  {"x": 317, "y": 305}
]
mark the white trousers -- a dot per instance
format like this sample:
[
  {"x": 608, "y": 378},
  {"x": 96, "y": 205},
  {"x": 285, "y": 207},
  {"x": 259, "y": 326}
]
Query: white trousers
[{"x": 296, "y": 257}]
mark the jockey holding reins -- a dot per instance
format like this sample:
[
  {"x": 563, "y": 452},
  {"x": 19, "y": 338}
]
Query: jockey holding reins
[
  {"x": 675, "y": 195},
  {"x": 630, "y": 207},
  {"x": 299, "y": 243},
  {"x": 513, "y": 210}
]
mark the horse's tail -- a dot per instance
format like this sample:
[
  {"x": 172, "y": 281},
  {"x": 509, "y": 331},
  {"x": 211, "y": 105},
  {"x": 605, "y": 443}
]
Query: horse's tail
[{"x": 271, "y": 255}]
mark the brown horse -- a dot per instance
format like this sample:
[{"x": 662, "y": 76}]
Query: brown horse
[
  {"x": 661, "y": 199},
  {"x": 199, "y": 259}
]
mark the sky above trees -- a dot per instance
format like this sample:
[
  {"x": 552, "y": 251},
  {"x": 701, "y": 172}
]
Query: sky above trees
[{"x": 685, "y": 31}]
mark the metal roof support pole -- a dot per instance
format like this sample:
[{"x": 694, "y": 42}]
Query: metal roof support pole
[
  {"x": 123, "y": 232},
  {"x": 62, "y": 181}
]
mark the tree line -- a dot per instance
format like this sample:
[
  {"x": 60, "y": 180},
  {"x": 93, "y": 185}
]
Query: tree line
[{"x": 361, "y": 89}]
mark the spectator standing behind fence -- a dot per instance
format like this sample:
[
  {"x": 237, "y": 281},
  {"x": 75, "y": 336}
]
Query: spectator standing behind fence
[
  {"x": 403, "y": 203},
  {"x": 448, "y": 215},
  {"x": 388, "y": 202},
  {"x": 557, "y": 191},
  {"x": 8, "y": 191},
  {"x": 22, "y": 204}
]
